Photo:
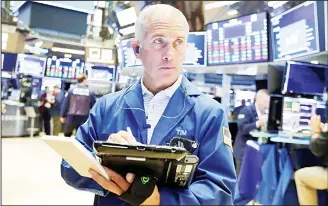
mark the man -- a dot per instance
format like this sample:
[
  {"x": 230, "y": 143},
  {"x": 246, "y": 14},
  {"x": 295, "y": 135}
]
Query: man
[
  {"x": 250, "y": 118},
  {"x": 77, "y": 105},
  {"x": 160, "y": 106},
  {"x": 45, "y": 100},
  {"x": 310, "y": 179},
  {"x": 236, "y": 111},
  {"x": 55, "y": 109}
]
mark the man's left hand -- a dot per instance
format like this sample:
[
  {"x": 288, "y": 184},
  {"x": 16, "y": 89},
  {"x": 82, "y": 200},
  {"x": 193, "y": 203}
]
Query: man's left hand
[
  {"x": 315, "y": 124},
  {"x": 118, "y": 184}
]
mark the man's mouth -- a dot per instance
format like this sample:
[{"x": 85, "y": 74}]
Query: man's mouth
[{"x": 167, "y": 68}]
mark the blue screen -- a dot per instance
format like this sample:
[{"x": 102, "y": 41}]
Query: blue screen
[
  {"x": 239, "y": 40},
  {"x": 305, "y": 78},
  {"x": 66, "y": 68},
  {"x": 9, "y": 62},
  {"x": 295, "y": 32},
  {"x": 196, "y": 54}
]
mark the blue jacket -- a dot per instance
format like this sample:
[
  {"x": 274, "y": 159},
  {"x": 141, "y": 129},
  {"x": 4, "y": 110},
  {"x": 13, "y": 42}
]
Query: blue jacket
[
  {"x": 56, "y": 107},
  {"x": 246, "y": 123},
  {"x": 78, "y": 104},
  {"x": 200, "y": 116}
]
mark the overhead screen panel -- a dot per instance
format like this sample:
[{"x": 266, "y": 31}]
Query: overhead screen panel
[
  {"x": 239, "y": 40},
  {"x": 30, "y": 65},
  {"x": 295, "y": 32},
  {"x": 66, "y": 68},
  {"x": 305, "y": 78},
  {"x": 195, "y": 54}
]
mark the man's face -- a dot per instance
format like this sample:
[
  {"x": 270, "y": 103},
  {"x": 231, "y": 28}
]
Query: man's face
[
  {"x": 263, "y": 102},
  {"x": 162, "y": 53}
]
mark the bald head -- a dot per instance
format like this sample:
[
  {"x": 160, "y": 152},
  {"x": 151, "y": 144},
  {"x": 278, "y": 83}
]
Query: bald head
[
  {"x": 160, "y": 13},
  {"x": 262, "y": 100}
]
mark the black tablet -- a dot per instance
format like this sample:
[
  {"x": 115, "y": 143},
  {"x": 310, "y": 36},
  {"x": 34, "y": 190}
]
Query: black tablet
[{"x": 170, "y": 165}]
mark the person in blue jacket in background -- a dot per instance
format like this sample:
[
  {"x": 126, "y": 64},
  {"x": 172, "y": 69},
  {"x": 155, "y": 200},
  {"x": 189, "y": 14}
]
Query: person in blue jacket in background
[
  {"x": 55, "y": 110},
  {"x": 250, "y": 118},
  {"x": 77, "y": 105},
  {"x": 160, "y": 106}
]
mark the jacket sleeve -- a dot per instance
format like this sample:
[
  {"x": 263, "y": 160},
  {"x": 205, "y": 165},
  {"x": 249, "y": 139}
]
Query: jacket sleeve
[
  {"x": 92, "y": 99},
  {"x": 86, "y": 135},
  {"x": 214, "y": 180},
  {"x": 65, "y": 105},
  {"x": 59, "y": 100},
  {"x": 244, "y": 121},
  {"x": 319, "y": 145}
]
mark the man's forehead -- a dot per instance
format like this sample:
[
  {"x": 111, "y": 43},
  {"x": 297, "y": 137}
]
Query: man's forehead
[{"x": 166, "y": 30}]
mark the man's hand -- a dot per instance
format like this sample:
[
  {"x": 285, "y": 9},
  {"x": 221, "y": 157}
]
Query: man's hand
[
  {"x": 63, "y": 120},
  {"x": 122, "y": 137},
  {"x": 118, "y": 184},
  {"x": 315, "y": 124},
  {"x": 260, "y": 123}
]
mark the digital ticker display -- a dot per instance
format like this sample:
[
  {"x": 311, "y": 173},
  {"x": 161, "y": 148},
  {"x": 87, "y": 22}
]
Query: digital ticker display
[
  {"x": 239, "y": 40},
  {"x": 295, "y": 32},
  {"x": 65, "y": 68},
  {"x": 195, "y": 53}
]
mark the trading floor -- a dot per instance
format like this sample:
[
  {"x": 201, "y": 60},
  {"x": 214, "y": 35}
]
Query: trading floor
[{"x": 37, "y": 182}]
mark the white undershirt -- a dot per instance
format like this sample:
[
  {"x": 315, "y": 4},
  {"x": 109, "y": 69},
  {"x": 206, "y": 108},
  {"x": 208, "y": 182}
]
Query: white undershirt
[{"x": 155, "y": 105}]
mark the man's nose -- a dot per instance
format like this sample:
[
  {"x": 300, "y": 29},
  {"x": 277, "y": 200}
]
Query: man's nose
[{"x": 169, "y": 54}]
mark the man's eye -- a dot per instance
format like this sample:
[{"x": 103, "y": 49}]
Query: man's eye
[
  {"x": 159, "y": 41},
  {"x": 179, "y": 41}
]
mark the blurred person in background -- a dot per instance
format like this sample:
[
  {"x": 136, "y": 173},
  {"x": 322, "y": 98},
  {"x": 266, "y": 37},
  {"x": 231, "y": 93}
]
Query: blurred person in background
[
  {"x": 310, "y": 179},
  {"x": 250, "y": 118},
  {"x": 56, "y": 104},
  {"x": 236, "y": 111},
  {"x": 77, "y": 105},
  {"x": 46, "y": 99}
]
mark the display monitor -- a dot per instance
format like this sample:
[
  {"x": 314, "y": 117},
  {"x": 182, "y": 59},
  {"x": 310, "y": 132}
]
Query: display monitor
[
  {"x": 296, "y": 113},
  {"x": 305, "y": 78},
  {"x": 100, "y": 73},
  {"x": 31, "y": 65},
  {"x": 295, "y": 32},
  {"x": 8, "y": 61},
  {"x": 66, "y": 68},
  {"x": 196, "y": 50},
  {"x": 239, "y": 40}
]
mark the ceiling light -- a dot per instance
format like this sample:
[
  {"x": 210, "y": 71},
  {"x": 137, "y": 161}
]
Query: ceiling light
[
  {"x": 126, "y": 2},
  {"x": 65, "y": 50},
  {"x": 232, "y": 12},
  {"x": 314, "y": 62},
  {"x": 219, "y": 4}
]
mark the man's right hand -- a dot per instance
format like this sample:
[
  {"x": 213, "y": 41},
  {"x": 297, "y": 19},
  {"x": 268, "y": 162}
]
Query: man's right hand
[
  {"x": 259, "y": 123},
  {"x": 122, "y": 137}
]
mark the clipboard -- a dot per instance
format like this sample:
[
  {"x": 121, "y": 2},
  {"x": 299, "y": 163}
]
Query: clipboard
[{"x": 75, "y": 154}]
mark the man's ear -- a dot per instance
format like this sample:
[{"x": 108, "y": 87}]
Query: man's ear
[{"x": 136, "y": 48}]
